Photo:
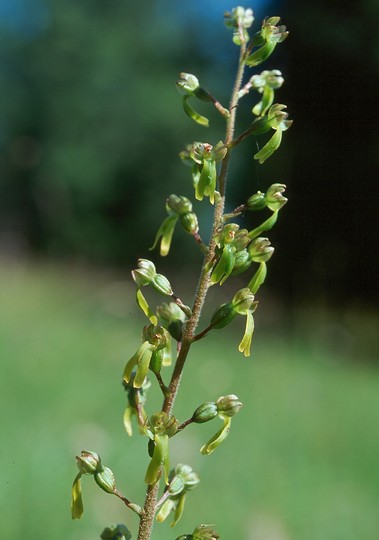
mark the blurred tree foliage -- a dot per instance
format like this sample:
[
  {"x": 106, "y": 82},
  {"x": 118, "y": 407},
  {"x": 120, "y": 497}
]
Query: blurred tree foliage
[{"x": 91, "y": 127}]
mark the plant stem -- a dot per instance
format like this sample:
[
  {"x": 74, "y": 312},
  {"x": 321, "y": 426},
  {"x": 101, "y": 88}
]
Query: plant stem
[{"x": 149, "y": 509}]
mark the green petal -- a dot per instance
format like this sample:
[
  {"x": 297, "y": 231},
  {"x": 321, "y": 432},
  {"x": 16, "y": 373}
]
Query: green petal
[
  {"x": 202, "y": 120},
  {"x": 128, "y": 415},
  {"x": 179, "y": 509},
  {"x": 270, "y": 147},
  {"x": 261, "y": 54},
  {"x": 245, "y": 344},
  {"x": 76, "y": 498},
  {"x": 265, "y": 226},
  {"x": 165, "y": 232},
  {"x": 258, "y": 278},
  {"x": 165, "y": 510},
  {"x": 267, "y": 100},
  {"x": 225, "y": 265},
  {"x": 145, "y": 353},
  {"x": 142, "y": 303},
  {"x": 207, "y": 181},
  {"x": 218, "y": 438},
  {"x": 159, "y": 458},
  {"x": 134, "y": 360}
]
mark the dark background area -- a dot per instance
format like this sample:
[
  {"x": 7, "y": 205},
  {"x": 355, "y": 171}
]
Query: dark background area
[{"x": 91, "y": 126}]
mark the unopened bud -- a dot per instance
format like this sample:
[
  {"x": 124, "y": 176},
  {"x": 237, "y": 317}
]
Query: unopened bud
[
  {"x": 242, "y": 262},
  {"x": 162, "y": 285},
  {"x": 179, "y": 205},
  {"x": 189, "y": 222},
  {"x": 106, "y": 480},
  {"x": 116, "y": 532},
  {"x": 206, "y": 412},
  {"x": 223, "y": 316},
  {"x": 256, "y": 202},
  {"x": 228, "y": 405},
  {"x": 88, "y": 462}
]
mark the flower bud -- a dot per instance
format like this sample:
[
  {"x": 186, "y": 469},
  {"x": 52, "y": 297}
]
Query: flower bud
[
  {"x": 106, "y": 480},
  {"x": 260, "y": 250},
  {"x": 239, "y": 17},
  {"x": 145, "y": 272},
  {"x": 170, "y": 312},
  {"x": 187, "y": 83},
  {"x": 274, "y": 197},
  {"x": 88, "y": 462},
  {"x": 256, "y": 202},
  {"x": 223, "y": 316},
  {"x": 176, "y": 329},
  {"x": 162, "y": 285},
  {"x": 207, "y": 411},
  {"x": 228, "y": 405},
  {"x": 116, "y": 532},
  {"x": 189, "y": 222},
  {"x": 179, "y": 205},
  {"x": 242, "y": 262},
  {"x": 205, "y": 532}
]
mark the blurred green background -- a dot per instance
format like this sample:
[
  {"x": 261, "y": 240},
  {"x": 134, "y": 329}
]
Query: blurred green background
[{"x": 90, "y": 129}]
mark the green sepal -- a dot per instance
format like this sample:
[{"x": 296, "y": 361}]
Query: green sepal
[
  {"x": 207, "y": 181},
  {"x": 258, "y": 278},
  {"x": 144, "y": 306},
  {"x": 196, "y": 117},
  {"x": 270, "y": 147},
  {"x": 225, "y": 265},
  {"x": 267, "y": 100},
  {"x": 165, "y": 510},
  {"x": 265, "y": 226},
  {"x": 76, "y": 498},
  {"x": 167, "y": 353},
  {"x": 140, "y": 359},
  {"x": 160, "y": 458},
  {"x": 218, "y": 438},
  {"x": 245, "y": 344},
  {"x": 179, "y": 509},
  {"x": 165, "y": 232},
  {"x": 261, "y": 54},
  {"x": 156, "y": 361},
  {"x": 127, "y": 419}
]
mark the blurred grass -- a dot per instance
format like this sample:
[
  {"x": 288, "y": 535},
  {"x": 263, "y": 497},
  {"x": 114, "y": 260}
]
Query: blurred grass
[{"x": 301, "y": 461}]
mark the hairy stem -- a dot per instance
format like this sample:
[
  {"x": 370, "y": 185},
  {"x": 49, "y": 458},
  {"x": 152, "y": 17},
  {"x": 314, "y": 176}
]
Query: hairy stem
[{"x": 149, "y": 509}]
